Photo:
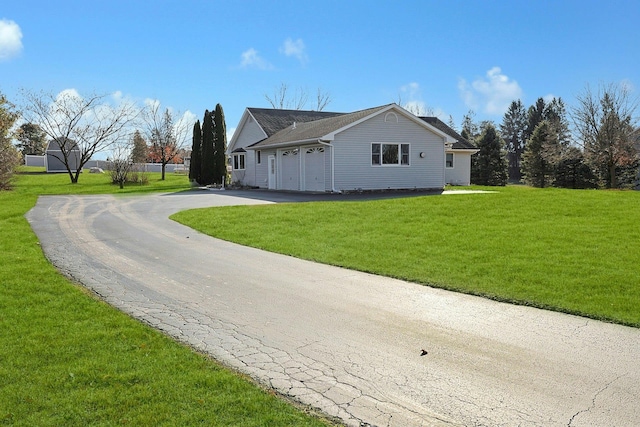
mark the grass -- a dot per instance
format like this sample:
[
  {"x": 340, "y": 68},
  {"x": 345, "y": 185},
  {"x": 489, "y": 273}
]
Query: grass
[
  {"x": 69, "y": 359},
  {"x": 568, "y": 250}
]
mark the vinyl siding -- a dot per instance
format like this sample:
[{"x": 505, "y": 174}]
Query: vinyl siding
[
  {"x": 353, "y": 169},
  {"x": 249, "y": 134},
  {"x": 461, "y": 171},
  {"x": 262, "y": 169}
]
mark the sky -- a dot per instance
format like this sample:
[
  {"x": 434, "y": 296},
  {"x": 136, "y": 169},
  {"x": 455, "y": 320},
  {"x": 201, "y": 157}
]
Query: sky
[{"x": 439, "y": 57}]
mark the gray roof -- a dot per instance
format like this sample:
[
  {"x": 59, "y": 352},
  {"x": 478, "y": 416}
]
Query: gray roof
[
  {"x": 460, "y": 144},
  {"x": 304, "y": 131},
  {"x": 272, "y": 120}
]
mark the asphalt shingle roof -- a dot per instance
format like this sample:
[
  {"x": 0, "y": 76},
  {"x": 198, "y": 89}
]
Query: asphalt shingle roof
[
  {"x": 460, "y": 144},
  {"x": 315, "y": 129},
  {"x": 273, "y": 120}
]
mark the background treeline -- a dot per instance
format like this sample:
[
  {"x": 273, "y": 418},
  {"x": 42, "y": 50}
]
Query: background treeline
[{"x": 595, "y": 144}]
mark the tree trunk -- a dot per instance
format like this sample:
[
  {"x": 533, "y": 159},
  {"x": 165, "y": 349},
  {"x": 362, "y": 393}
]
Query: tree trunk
[{"x": 163, "y": 167}]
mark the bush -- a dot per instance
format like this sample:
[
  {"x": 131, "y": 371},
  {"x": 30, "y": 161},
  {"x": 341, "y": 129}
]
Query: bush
[{"x": 10, "y": 158}]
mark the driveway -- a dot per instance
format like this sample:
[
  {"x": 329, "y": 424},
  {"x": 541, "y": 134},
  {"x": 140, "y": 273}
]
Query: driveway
[{"x": 348, "y": 343}]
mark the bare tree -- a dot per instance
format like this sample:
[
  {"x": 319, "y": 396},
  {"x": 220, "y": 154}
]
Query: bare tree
[
  {"x": 166, "y": 133},
  {"x": 120, "y": 164},
  {"x": 282, "y": 98},
  {"x": 87, "y": 124},
  {"x": 605, "y": 122},
  {"x": 417, "y": 108}
]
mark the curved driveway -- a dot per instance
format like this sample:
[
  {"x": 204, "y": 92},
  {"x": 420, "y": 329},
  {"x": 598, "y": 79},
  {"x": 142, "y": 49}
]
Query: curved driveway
[{"x": 345, "y": 342}]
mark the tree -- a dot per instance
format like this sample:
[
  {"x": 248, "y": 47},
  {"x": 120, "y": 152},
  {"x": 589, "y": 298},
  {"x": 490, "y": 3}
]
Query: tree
[
  {"x": 220, "y": 146},
  {"x": 120, "y": 164},
  {"x": 489, "y": 166},
  {"x": 9, "y": 155},
  {"x": 470, "y": 130},
  {"x": 572, "y": 171},
  {"x": 31, "y": 139},
  {"x": 139, "y": 149},
  {"x": 535, "y": 114},
  {"x": 282, "y": 98},
  {"x": 88, "y": 124},
  {"x": 166, "y": 134},
  {"x": 606, "y": 124},
  {"x": 513, "y": 129},
  {"x": 195, "y": 166},
  {"x": 207, "y": 172},
  {"x": 535, "y": 167}
]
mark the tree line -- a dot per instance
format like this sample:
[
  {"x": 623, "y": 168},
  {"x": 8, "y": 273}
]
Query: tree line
[{"x": 538, "y": 146}]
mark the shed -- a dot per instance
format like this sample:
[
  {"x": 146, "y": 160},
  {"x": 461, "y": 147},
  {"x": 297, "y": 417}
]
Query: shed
[{"x": 54, "y": 155}]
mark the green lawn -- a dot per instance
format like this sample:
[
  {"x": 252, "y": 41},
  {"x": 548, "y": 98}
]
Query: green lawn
[
  {"x": 68, "y": 359},
  {"x": 576, "y": 251}
]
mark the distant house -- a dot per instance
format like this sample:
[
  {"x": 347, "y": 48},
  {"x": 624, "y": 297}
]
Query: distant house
[
  {"x": 54, "y": 157},
  {"x": 379, "y": 148}
]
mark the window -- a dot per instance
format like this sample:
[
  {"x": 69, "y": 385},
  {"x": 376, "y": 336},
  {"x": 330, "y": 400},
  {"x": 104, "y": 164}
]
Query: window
[
  {"x": 389, "y": 154},
  {"x": 449, "y": 160},
  {"x": 238, "y": 161},
  {"x": 258, "y": 157}
]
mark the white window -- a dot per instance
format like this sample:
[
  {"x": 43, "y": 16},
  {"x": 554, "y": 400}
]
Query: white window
[
  {"x": 389, "y": 154},
  {"x": 449, "y": 160},
  {"x": 238, "y": 161}
]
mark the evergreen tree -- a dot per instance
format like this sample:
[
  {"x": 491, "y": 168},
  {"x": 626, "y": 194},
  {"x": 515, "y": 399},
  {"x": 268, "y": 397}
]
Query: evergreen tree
[
  {"x": 207, "y": 171},
  {"x": 535, "y": 114},
  {"x": 535, "y": 167},
  {"x": 220, "y": 146},
  {"x": 513, "y": 128},
  {"x": 572, "y": 171},
  {"x": 469, "y": 128},
  {"x": 489, "y": 166},
  {"x": 139, "y": 151},
  {"x": 31, "y": 139},
  {"x": 195, "y": 166}
]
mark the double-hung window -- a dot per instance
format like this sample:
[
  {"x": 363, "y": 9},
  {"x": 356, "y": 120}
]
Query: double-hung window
[
  {"x": 449, "y": 160},
  {"x": 389, "y": 154}
]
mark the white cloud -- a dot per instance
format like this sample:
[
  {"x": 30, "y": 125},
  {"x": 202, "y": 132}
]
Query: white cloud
[
  {"x": 10, "y": 39},
  {"x": 491, "y": 94},
  {"x": 251, "y": 59},
  {"x": 295, "y": 48},
  {"x": 410, "y": 98}
]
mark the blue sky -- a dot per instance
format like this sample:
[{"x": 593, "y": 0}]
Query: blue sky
[{"x": 449, "y": 56}]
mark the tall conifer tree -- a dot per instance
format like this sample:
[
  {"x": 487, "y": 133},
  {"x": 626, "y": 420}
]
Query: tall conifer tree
[
  {"x": 207, "y": 172},
  {"x": 220, "y": 146},
  {"x": 195, "y": 167},
  {"x": 489, "y": 166}
]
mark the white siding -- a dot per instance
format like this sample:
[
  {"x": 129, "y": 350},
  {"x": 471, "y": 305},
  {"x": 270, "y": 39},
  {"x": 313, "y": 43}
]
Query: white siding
[
  {"x": 249, "y": 134},
  {"x": 353, "y": 169},
  {"x": 262, "y": 169},
  {"x": 460, "y": 174}
]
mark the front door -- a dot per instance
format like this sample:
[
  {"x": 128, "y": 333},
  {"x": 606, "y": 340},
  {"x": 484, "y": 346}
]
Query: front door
[{"x": 272, "y": 172}]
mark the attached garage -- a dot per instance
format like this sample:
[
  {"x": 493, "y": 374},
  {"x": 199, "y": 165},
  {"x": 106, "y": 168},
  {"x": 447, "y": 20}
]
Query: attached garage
[
  {"x": 314, "y": 168},
  {"x": 289, "y": 169}
]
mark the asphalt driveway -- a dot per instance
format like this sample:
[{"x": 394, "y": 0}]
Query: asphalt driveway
[{"x": 348, "y": 343}]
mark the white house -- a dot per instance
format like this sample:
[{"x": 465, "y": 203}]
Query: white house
[{"x": 379, "y": 148}]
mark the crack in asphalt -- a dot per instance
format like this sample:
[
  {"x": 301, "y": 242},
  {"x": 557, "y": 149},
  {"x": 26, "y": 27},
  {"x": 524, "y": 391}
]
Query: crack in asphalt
[{"x": 593, "y": 400}]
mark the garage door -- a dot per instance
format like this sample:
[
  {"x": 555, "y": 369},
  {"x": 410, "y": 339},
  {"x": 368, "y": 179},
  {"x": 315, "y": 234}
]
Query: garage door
[
  {"x": 290, "y": 169},
  {"x": 314, "y": 169}
]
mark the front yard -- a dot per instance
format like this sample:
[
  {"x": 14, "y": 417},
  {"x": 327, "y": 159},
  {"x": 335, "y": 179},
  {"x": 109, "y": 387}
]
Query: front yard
[{"x": 576, "y": 251}]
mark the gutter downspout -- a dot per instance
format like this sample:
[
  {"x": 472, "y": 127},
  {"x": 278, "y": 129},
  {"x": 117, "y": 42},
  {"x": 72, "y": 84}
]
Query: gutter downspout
[{"x": 333, "y": 183}]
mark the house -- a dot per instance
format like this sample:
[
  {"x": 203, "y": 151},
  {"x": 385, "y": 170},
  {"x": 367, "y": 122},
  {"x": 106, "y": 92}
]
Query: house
[
  {"x": 379, "y": 148},
  {"x": 54, "y": 159}
]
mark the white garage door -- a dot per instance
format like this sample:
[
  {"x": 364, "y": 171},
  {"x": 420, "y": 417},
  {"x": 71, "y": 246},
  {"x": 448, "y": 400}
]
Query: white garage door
[
  {"x": 290, "y": 169},
  {"x": 314, "y": 169}
]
